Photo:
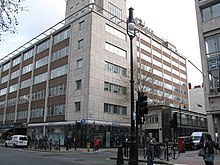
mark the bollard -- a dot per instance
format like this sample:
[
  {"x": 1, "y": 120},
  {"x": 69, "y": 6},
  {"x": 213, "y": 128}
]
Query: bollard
[
  {"x": 120, "y": 159},
  {"x": 59, "y": 144},
  {"x": 167, "y": 149},
  {"x": 50, "y": 144}
]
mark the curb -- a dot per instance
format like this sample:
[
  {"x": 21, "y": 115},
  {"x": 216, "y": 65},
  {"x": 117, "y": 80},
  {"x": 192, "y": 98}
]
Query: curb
[{"x": 145, "y": 161}]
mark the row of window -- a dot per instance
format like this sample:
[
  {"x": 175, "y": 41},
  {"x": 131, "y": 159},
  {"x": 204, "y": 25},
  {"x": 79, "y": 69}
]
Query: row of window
[
  {"x": 212, "y": 52},
  {"x": 115, "y": 32},
  {"x": 37, "y": 79},
  {"x": 115, "y": 88},
  {"x": 115, "y": 68},
  {"x": 160, "y": 55},
  {"x": 41, "y": 47},
  {"x": 115, "y": 13},
  {"x": 59, "y": 109},
  {"x": 116, "y": 50},
  {"x": 39, "y": 63},
  {"x": 37, "y": 112},
  {"x": 53, "y": 91},
  {"x": 115, "y": 109},
  {"x": 161, "y": 64},
  {"x": 211, "y": 12}
]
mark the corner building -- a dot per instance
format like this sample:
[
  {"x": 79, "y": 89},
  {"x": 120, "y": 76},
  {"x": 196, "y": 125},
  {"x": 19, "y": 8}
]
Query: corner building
[
  {"x": 208, "y": 20},
  {"x": 78, "y": 72}
]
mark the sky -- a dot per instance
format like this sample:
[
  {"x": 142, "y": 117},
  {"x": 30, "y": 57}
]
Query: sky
[{"x": 172, "y": 20}]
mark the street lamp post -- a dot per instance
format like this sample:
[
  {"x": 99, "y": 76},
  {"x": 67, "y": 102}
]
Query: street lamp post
[{"x": 131, "y": 31}]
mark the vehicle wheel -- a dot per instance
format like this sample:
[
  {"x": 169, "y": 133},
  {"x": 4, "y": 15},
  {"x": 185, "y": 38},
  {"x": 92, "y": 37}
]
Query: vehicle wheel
[
  {"x": 6, "y": 145},
  {"x": 14, "y": 145}
]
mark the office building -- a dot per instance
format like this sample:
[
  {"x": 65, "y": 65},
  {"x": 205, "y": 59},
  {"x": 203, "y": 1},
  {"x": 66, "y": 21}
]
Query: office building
[
  {"x": 73, "y": 79},
  {"x": 208, "y": 19}
]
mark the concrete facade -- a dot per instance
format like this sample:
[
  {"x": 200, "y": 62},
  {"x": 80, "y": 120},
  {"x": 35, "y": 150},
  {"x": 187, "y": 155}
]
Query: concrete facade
[{"x": 208, "y": 19}]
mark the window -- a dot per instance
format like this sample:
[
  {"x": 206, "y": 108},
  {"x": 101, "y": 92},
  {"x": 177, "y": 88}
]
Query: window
[
  {"x": 26, "y": 83},
  {"x": 27, "y": 69},
  {"x": 61, "y": 36},
  {"x": 78, "y": 106},
  {"x": 41, "y": 62},
  {"x": 2, "y": 104},
  {"x": 115, "y": 13},
  {"x": 15, "y": 74},
  {"x": 38, "y": 95},
  {"x": 28, "y": 54},
  {"x": 13, "y": 88},
  {"x": 82, "y": 25},
  {"x": 78, "y": 84},
  {"x": 1, "y": 117},
  {"x": 23, "y": 99},
  {"x": 115, "y": 32},
  {"x": 16, "y": 61},
  {"x": 11, "y": 102},
  {"x": 113, "y": 49},
  {"x": 4, "y": 79},
  {"x": 57, "y": 90},
  {"x": 37, "y": 112},
  {"x": 79, "y": 63},
  {"x": 22, "y": 114},
  {"x": 211, "y": 12},
  {"x": 6, "y": 67},
  {"x": 43, "y": 46},
  {"x": 10, "y": 116},
  {"x": 59, "y": 71},
  {"x": 212, "y": 44},
  {"x": 115, "y": 68},
  {"x": 60, "y": 53},
  {"x": 3, "y": 91},
  {"x": 115, "y": 88},
  {"x": 115, "y": 109},
  {"x": 56, "y": 110},
  {"x": 40, "y": 78},
  {"x": 80, "y": 43}
]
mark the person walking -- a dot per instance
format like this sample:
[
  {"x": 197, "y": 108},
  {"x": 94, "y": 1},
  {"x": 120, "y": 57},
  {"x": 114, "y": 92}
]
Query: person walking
[
  {"x": 97, "y": 143},
  {"x": 149, "y": 143},
  {"x": 209, "y": 146}
]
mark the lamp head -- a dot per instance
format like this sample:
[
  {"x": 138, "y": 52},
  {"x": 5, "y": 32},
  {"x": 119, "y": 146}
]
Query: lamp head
[{"x": 131, "y": 26}]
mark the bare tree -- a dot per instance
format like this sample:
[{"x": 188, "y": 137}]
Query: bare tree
[{"x": 8, "y": 11}]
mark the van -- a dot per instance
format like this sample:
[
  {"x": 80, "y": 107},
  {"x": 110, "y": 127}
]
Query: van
[
  {"x": 16, "y": 141},
  {"x": 198, "y": 139}
]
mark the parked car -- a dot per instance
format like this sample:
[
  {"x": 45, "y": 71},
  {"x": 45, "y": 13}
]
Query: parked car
[
  {"x": 198, "y": 139},
  {"x": 16, "y": 141}
]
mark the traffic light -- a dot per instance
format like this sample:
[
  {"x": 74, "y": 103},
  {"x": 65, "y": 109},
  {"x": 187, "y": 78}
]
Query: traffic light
[
  {"x": 171, "y": 123},
  {"x": 78, "y": 125},
  {"x": 175, "y": 119},
  {"x": 142, "y": 107}
]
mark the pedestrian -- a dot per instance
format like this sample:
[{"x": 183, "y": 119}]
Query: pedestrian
[
  {"x": 74, "y": 142},
  {"x": 149, "y": 143},
  {"x": 97, "y": 143},
  {"x": 209, "y": 146}
]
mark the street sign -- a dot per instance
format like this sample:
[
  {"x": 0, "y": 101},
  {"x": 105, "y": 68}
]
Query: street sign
[{"x": 82, "y": 121}]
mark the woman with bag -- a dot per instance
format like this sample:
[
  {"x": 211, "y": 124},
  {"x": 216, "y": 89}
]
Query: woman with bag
[{"x": 209, "y": 146}]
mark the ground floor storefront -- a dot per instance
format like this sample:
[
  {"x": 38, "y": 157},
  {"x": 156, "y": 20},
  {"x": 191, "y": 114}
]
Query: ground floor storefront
[{"x": 76, "y": 133}]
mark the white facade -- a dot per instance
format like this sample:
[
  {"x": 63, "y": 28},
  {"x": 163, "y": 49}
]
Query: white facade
[{"x": 197, "y": 101}]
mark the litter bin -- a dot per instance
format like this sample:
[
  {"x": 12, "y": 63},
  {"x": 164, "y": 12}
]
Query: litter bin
[{"x": 181, "y": 144}]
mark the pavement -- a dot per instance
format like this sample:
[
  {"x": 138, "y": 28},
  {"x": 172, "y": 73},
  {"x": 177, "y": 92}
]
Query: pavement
[{"x": 186, "y": 158}]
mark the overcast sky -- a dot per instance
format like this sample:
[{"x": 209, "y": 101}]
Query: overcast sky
[{"x": 173, "y": 20}]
